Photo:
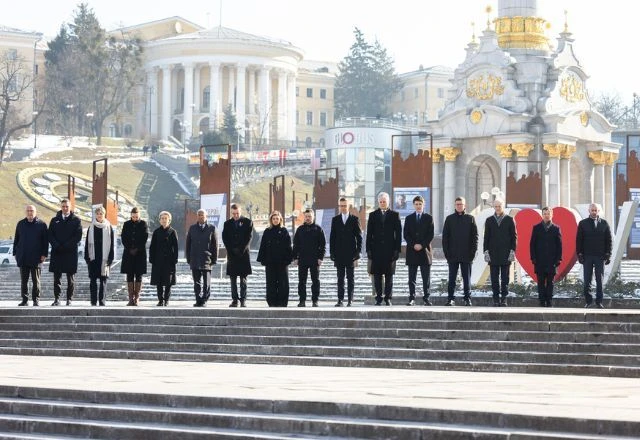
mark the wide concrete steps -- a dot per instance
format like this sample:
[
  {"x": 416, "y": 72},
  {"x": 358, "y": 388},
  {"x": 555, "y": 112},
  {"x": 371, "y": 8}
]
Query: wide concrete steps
[
  {"x": 599, "y": 343},
  {"x": 36, "y": 413}
]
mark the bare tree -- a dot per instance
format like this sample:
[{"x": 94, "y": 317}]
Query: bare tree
[
  {"x": 611, "y": 107},
  {"x": 17, "y": 109}
]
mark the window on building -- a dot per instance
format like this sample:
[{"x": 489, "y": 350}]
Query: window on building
[
  {"x": 321, "y": 142},
  {"x": 323, "y": 119},
  {"x": 297, "y": 117},
  {"x": 309, "y": 92},
  {"x": 297, "y": 91},
  {"x": 12, "y": 54},
  {"x": 309, "y": 118},
  {"x": 323, "y": 93},
  {"x": 128, "y": 130},
  {"x": 416, "y": 92},
  {"x": 181, "y": 100},
  {"x": 206, "y": 98},
  {"x": 308, "y": 142},
  {"x": 128, "y": 105},
  {"x": 440, "y": 92}
]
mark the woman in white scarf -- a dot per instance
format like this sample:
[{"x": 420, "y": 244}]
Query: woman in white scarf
[{"x": 98, "y": 253}]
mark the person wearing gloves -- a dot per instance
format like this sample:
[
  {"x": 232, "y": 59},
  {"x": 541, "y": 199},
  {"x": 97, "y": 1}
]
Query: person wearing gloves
[
  {"x": 545, "y": 249},
  {"x": 499, "y": 248}
]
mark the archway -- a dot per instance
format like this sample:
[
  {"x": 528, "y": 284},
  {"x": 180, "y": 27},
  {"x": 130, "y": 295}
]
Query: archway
[{"x": 483, "y": 174}]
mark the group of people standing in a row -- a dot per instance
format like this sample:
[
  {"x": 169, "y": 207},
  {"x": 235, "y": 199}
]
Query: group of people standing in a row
[{"x": 384, "y": 236}]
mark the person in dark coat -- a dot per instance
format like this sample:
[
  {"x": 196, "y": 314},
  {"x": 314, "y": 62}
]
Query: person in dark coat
[
  {"x": 459, "y": 244},
  {"x": 236, "y": 237},
  {"x": 418, "y": 234},
  {"x": 275, "y": 255},
  {"x": 499, "y": 249},
  {"x": 99, "y": 254},
  {"x": 134, "y": 255},
  {"x": 309, "y": 246},
  {"x": 345, "y": 245},
  {"x": 384, "y": 242},
  {"x": 202, "y": 253},
  {"x": 163, "y": 256},
  {"x": 593, "y": 246},
  {"x": 31, "y": 248},
  {"x": 545, "y": 249},
  {"x": 65, "y": 232}
]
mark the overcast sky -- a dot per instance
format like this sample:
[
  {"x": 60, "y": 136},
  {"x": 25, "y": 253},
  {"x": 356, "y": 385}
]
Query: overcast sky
[{"x": 428, "y": 32}]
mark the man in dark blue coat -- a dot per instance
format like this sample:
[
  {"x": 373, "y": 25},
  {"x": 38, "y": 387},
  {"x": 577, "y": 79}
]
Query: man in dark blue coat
[
  {"x": 31, "y": 248},
  {"x": 236, "y": 236},
  {"x": 545, "y": 249},
  {"x": 499, "y": 246},
  {"x": 65, "y": 232},
  {"x": 309, "y": 246},
  {"x": 201, "y": 252},
  {"x": 384, "y": 242},
  {"x": 345, "y": 245},
  {"x": 418, "y": 233}
]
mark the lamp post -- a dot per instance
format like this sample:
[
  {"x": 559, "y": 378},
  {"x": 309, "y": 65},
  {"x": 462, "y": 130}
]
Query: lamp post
[
  {"x": 184, "y": 127},
  {"x": 35, "y": 129},
  {"x": 238, "y": 128}
]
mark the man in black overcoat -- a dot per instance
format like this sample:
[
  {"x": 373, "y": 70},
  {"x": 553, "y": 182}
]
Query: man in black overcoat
[
  {"x": 309, "y": 246},
  {"x": 459, "y": 244},
  {"x": 236, "y": 236},
  {"x": 345, "y": 245},
  {"x": 65, "y": 232},
  {"x": 545, "y": 249},
  {"x": 201, "y": 252},
  {"x": 593, "y": 246},
  {"x": 418, "y": 233},
  {"x": 31, "y": 248},
  {"x": 499, "y": 246},
  {"x": 384, "y": 242}
]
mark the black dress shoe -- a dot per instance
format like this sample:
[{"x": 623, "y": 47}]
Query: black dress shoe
[
  {"x": 467, "y": 302},
  {"x": 450, "y": 302},
  {"x": 378, "y": 303},
  {"x": 339, "y": 304},
  {"x": 233, "y": 304},
  {"x": 314, "y": 304},
  {"x": 166, "y": 303},
  {"x": 587, "y": 305},
  {"x": 160, "y": 303},
  {"x": 349, "y": 303},
  {"x": 68, "y": 302},
  {"x": 503, "y": 302},
  {"x": 36, "y": 303},
  {"x": 102, "y": 304},
  {"x": 599, "y": 306},
  {"x": 549, "y": 304},
  {"x": 387, "y": 302},
  {"x": 242, "y": 303},
  {"x": 426, "y": 302},
  {"x": 411, "y": 303},
  {"x": 543, "y": 303},
  {"x": 55, "y": 303},
  {"x": 302, "y": 304},
  {"x": 23, "y": 303},
  {"x": 198, "y": 304}
]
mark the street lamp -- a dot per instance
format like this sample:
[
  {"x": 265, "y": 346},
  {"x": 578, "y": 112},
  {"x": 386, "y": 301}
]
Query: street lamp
[
  {"x": 35, "y": 129},
  {"x": 238, "y": 128},
  {"x": 184, "y": 127}
]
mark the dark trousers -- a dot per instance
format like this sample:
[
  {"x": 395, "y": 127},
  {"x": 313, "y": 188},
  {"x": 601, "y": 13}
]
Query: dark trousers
[
  {"x": 342, "y": 271},
  {"x": 163, "y": 292},
  {"x": 465, "y": 272},
  {"x": 593, "y": 264},
  {"x": 388, "y": 285},
  {"x": 57, "y": 285},
  {"x": 499, "y": 280},
  {"x": 303, "y": 272},
  {"x": 277, "y": 285},
  {"x": 425, "y": 273},
  {"x": 234, "y": 288},
  {"x": 96, "y": 288},
  {"x": 545, "y": 287},
  {"x": 34, "y": 273},
  {"x": 201, "y": 285}
]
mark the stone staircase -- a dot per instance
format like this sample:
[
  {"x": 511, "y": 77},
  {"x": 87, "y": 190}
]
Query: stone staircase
[{"x": 43, "y": 413}]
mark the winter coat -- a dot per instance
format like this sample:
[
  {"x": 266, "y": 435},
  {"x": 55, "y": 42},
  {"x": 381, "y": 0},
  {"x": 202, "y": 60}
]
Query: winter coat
[
  {"x": 592, "y": 241},
  {"x": 309, "y": 245},
  {"x": 202, "y": 247},
  {"x": 134, "y": 241},
  {"x": 500, "y": 239},
  {"x": 345, "y": 240},
  {"x": 418, "y": 233},
  {"x": 30, "y": 242},
  {"x": 95, "y": 266},
  {"x": 275, "y": 247},
  {"x": 384, "y": 241},
  {"x": 163, "y": 256},
  {"x": 545, "y": 248},
  {"x": 64, "y": 236},
  {"x": 236, "y": 236},
  {"x": 460, "y": 238}
]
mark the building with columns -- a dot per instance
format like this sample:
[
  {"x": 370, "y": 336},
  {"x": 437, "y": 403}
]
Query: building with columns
[{"x": 519, "y": 107}]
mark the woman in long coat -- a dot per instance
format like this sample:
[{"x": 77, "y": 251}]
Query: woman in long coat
[
  {"x": 163, "y": 256},
  {"x": 134, "y": 256},
  {"x": 276, "y": 255},
  {"x": 98, "y": 253}
]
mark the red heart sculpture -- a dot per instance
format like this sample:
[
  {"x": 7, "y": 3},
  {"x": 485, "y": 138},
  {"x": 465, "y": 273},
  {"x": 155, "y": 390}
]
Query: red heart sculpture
[{"x": 566, "y": 219}]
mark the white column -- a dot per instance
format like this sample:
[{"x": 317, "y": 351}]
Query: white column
[
  {"x": 187, "y": 117},
  {"x": 175, "y": 92},
  {"x": 214, "y": 95},
  {"x": 565, "y": 182},
  {"x": 609, "y": 206},
  {"x": 152, "y": 97},
  {"x": 252, "y": 92},
  {"x": 282, "y": 105},
  {"x": 241, "y": 81},
  {"x": 598, "y": 184},
  {"x": 197, "y": 93},
  {"x": 232, "y": 87},
  {"x": 450, "y": 154},
  {"x": 264, "y": 87},
  {"x": 435, "y": 192},
  {"x": 292, "y": 107},
  {"x": 554, "y": 182},
  {"x": 165, "y": 116}
]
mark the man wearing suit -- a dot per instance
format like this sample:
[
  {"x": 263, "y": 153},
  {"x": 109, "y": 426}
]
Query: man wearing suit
[
  {"x": 236, "y": 236},
  {"x": 384, "y": 241},
  {"x": 545, "y": 249},
  {"x": 593, "y": 246},
  {"x": 499, "y": 248},
  {"x": 201, "y": 252},
  {"x": 345, "y": 245},
  {"x": 308, "y": 252},
  {"x": 418, "y": 233}
]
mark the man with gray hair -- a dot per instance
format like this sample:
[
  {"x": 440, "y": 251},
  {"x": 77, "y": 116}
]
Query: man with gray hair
[
  {"x": 201, "y": 252},
  {"x": 384, "y": 241},
  {"x": 499, "y": 248},
  {"x": 593, "y": 246},
  {"x": 31, "y": 248}
]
